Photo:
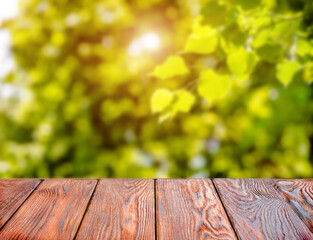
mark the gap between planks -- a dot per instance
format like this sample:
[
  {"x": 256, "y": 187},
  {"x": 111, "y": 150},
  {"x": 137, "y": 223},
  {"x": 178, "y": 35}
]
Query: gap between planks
[
  {"x": 155, "y": 209},
  {"x": 257, "y": 196},
  {"x": 215, "y": 189},
  {"x": 88, "y": 204},
  {"x": 227, "y": 214},
  {"x": 40, "y": 181}
]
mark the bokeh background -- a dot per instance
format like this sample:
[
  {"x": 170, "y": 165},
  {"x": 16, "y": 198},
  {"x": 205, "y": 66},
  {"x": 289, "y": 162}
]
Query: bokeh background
[{"x": 75, "y": 95}]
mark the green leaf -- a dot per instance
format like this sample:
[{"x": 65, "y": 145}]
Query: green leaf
[
  {"x": 261, "y": 22},
  {"x": 260, "y": 39},
  {"x": 286, "y": 71},
  {"x": 308, "y": 73},
  {"x": 184, "y": 101},
  {"x": 161, "y": 100},
  {"x": 169, "y": 104},
  {"x": 269, "y": 4},
  {"x": 173, "y": 66},
  {"x": 214, "y": 13},
  {"x": 234, "y": 34},
  {"x": 241, "y": 63},
  {"x": 203, "y": 40},
  {"x": 245, "y": 4},
  {"x": 270, "y": 52},
  {"x": 304, "y": 47},
  {"x": 213, "y": 86}
]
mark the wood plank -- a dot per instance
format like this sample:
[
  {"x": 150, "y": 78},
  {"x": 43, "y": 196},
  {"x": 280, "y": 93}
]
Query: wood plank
[
  {"x": 53, "y": 211},
  {"x": 299, "y": 194},
  {"x": 120, "y": 209},
  {"x": 190, "y": 209},
  {"x": 258, "y": 212},
  {"x": 13, "y": 193}
]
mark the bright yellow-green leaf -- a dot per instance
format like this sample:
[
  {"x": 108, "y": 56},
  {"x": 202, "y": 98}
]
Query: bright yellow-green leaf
[
  {"x": 161, "y": 99},
  {"x": 173, "y": 66},
  {"x": 227, "y": 46},
  {"x": 260, "y": 39},
  {"x": 241, "y": 63},
  {"x": 169, "y": 104},
  {"x": 269, "y": 3},
  {"x": 258, "y": 102},
  {"x": 304, "y": 47},
  {"x": 203, "y": 40},
  {"x": 286, "y": 71},
  {"x": 184, "y": 101},
  {"x": 213, "y": 86},
  {"x": 261, "y": 22},
  {"x": 308, "y": 73}
]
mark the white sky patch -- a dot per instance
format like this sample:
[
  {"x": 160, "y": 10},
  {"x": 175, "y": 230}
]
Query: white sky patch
[
  {"x": 213, "y": 145},
  {"x": 7, "y": 90},
  {"x": 4, "y": 166},
  {"x": 201, "y": 174},
  {"x": 197, "y": 162},
  {"x": 6, "y": 60},
  {"x": 108, "y": 17},
  {"x": 274, "y": 94},
  {"x": 147, "y": 42},
  {"x": 72, "y": 20},
  {"x": 8, "y": 10}
]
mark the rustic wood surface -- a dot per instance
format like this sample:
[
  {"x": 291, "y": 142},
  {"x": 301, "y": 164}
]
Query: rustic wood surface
[
  {"x": 120, "y": 209},
  {"x": 44, "y": 209},
  {"x": 54, "y": 211},
  {"x": 13, "y": 192},
  {"x": 190, "y": 209},
  {"x": 258, "y": 212},
  {"x": 299, "y": 194}
]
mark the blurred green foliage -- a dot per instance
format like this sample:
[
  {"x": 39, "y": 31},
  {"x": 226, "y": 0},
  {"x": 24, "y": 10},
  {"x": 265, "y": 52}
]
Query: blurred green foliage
[{"x": 228, "y": 87}]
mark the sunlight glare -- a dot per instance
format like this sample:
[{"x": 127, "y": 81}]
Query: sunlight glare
[
  {"x": 147, "y": 42},
  {"x": 151, "y": 41}
]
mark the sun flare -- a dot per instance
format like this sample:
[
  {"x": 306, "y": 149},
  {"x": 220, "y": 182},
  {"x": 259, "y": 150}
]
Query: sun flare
[{"x": 147, "y": 42}]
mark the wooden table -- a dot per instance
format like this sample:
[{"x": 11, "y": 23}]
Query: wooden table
[{"x": 156, "y": 209}]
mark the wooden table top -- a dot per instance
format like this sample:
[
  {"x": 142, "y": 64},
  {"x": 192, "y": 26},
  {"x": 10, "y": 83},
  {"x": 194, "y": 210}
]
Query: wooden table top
[{"x": 156, "y": 209}]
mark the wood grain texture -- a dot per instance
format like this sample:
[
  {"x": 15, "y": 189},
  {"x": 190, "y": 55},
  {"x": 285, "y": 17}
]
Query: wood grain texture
[
  {"x": 120, "y": 209},
  {"x": 13, "y": 193},
  {"x": 53, "y": 211},
  {"x": 299, "y": 194},
  {"x": 190, "y": 209},
  {"x": 258, "y": 212}
]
